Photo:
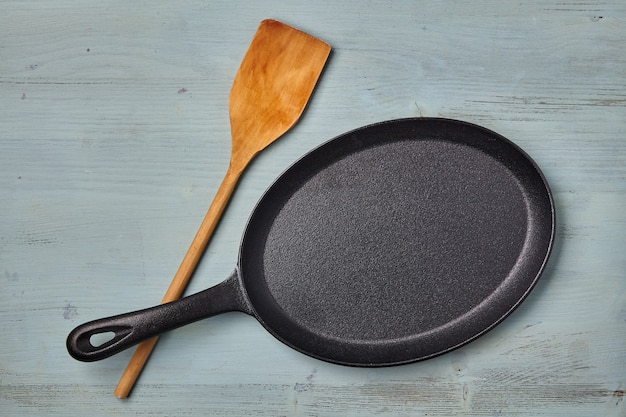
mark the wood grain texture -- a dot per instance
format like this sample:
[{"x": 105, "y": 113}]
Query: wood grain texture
[
  {"x": 114, "y": 136},
  {"x": 271, "y": 88}
]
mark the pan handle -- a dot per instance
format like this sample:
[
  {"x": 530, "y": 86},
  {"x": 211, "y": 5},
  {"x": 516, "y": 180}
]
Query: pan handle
[{"x": 132, "y": 328}]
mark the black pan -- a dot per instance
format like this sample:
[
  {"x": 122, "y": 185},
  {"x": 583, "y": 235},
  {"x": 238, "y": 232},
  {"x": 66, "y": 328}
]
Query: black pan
[{"x": 389, "y": 244}]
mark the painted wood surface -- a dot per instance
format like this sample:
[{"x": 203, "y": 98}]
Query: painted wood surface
[{"x": 114, "y": 137}]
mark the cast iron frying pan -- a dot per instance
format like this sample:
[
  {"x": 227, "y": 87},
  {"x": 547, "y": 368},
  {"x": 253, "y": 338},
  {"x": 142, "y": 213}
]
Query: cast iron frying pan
[{"x": 389, "y": 244}]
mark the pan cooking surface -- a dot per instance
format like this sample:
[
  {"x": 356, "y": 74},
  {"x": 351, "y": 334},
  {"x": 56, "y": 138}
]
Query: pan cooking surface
[
  {"x": 397, "y": 242},
  {"x": 440, "y": 232}
]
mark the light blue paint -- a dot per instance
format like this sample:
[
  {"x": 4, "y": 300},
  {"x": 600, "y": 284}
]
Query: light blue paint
[{"x": 114, "y": 137}]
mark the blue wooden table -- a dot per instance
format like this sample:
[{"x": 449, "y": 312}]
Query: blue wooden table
[{"x": 114, "y": 137}]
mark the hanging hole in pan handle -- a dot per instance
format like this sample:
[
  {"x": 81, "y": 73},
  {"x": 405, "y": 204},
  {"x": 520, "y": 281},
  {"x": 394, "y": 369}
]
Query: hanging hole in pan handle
[
  {"x": 100, "y": 339},
  {"x": 90, "y": 344}
]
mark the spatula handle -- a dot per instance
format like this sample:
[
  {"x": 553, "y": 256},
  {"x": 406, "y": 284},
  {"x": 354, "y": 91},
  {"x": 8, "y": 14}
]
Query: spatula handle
[{"x": 182, "y": 277}]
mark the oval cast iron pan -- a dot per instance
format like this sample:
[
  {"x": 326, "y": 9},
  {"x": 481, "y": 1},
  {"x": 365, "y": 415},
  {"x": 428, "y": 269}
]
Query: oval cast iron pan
[{"x": 389, "y": 244}]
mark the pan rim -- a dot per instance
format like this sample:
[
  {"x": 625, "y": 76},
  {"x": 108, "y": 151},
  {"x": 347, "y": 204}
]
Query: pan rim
[{"x": 546, "y": 193}]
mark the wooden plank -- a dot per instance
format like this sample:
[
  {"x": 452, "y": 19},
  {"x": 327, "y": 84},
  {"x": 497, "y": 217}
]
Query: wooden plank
[{"x": 114, "y": 137}]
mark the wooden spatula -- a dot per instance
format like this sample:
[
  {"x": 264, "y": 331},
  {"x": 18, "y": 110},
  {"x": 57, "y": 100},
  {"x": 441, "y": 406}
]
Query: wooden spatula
[{"x": 271, "y": 89}]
